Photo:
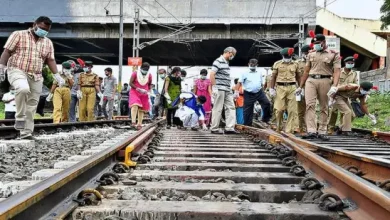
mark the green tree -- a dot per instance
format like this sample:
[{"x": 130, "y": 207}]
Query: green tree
[{"x": 385, "y": 17}]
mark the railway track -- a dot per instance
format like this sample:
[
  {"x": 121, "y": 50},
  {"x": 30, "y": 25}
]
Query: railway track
[
  {"x": 47, "y": 127},
  {"x": 196, "y": 175}
]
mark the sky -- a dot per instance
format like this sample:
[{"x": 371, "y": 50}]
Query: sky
[{"x": 367, "y": 9}]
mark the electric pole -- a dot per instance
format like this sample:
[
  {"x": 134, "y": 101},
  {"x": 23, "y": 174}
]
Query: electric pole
[
  {"x": 120, "y": 44},
  {"x": 301, "y": 39},
  {"x": 136, "y": 33}
]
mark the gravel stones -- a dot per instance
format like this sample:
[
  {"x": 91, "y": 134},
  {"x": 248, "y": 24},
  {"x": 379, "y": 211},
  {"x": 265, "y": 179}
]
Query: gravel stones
[{"x": 22, "y": 159}]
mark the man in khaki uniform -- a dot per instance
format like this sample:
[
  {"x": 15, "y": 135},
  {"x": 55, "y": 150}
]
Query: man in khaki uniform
[
  {"x": 61, "y": 95},
  {"x": 302, "y": 104},
  {"x": 285, "y": 75},
  {"x": 321, "y": 64},
  {"x": 347, "y": 76},
  {"x": 340, "y": 101},
  {"x": 88, "y": 86}
]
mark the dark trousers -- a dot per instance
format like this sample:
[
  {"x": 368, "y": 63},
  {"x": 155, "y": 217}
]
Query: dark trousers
[
  {"x": 171, "y": 117},
  {"x": 41, "y": 105},
  {"x": 124, "y": 107},
  {"x": 10, "y": 115},
  {"x": 249, "y": 103}
]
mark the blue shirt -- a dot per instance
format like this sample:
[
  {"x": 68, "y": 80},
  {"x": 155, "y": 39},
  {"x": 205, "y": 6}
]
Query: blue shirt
[{"x": 251, "y": 81}]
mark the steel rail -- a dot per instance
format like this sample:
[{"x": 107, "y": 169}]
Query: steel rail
[
  {"x": 364, "y": 199},
  {"x": 53, "y": 196},
  {"x": 9, "y": 132}
]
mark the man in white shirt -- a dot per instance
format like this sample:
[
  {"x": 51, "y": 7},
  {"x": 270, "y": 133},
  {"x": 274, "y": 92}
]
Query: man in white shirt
[
  {"x": 185, "y": 86},
  {"x": 10, "y": 104}
]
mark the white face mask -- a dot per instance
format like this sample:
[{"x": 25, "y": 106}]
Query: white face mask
[
  {"x": 12, "y": 91},
  {"x": 287, "y": 60},
  {"x": 364, "y": 92},
  {"x": 252, "y": 68},
  {"x": 67, "y": 71}
]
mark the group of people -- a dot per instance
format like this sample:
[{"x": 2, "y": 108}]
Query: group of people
[{"x": 294, "y": 87}]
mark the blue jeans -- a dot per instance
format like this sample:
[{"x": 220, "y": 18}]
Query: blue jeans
[
  {"x": 72, "y": 110},
  {"x": 240, "y": 115}
]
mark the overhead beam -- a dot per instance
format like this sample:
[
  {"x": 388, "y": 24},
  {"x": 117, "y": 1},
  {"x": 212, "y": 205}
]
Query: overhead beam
[
  {"x": 93, "y": 44},
  {"x": 62, "y": 45},
  {"x": 98, "y": 58},
  {"x": 87, "y": 54}
]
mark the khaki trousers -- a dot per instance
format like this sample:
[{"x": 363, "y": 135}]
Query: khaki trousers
[
  {"x": 301, "y": 115},
  {"x": 272, "y": 100},
  {"x": 27, "y": 96},
  {"x": 342, "y": 104},
  {"x": 333, "y": 118},
  {"x": 61, "y": 101},
  {"x": 223, "y": 99},
  {"x": 317, "y": 89},
  {"x": 87, "y": 104},
  {"x": 285, "y": 99}
]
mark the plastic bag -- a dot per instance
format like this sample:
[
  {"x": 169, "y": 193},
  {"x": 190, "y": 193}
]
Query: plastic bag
[{"x": 357, "y": 109}]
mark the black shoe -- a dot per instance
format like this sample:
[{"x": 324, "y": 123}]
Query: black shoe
[
  {"x": 194, "y": 129},
  {"x": 310, "y": 136},
  {"x": 168, "y": 127},
  {"x": 323, "y": 137},
  {"x": 216, "y": 131}
]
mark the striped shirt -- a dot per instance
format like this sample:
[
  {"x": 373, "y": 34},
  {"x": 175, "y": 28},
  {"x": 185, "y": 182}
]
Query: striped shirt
[
  {"x": 28, "y": 54},
  {"x": 222, "y": 74}
]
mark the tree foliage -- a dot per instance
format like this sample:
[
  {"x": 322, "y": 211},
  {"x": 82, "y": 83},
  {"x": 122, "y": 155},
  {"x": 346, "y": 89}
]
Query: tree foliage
[{"x": 385, "y": 17}]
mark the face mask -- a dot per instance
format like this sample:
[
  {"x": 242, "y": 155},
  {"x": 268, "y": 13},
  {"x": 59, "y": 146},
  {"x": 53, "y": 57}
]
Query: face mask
[
  {"x": 203, "y": 77},
  {"x": 286, "y": 60},
  {"x": 162, "y": 76},
  {"x": 363, "y": 92},
  {"x": 349, "y": 65},
  {"x": 144, "y": 72},
  {"x": 12, "y": 92},
  {"x": 252, "y": 68},
  {"x": 183, "y": 77},
  {"x": 304, "y": 56},
  {"x": 317, "y": 47},
  {"x": 85, "y": 69},
  {"x": 231, "y": 58},
  {"x": 67, "y": 71},
  {"x": 40, "y": 32}
]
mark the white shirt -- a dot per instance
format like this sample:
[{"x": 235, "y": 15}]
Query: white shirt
[
  {"x": 185, "y": 87},
  {"x": 10, "y": 106},
  {"x": 160, "y": 85}
]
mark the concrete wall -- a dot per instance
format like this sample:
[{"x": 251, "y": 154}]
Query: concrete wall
[{"x": 197, "y": 11}]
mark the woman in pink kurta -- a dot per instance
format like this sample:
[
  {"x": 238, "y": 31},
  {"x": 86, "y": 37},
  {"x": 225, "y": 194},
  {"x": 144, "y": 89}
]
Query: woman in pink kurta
[
  {"x": 203, "y": 87},
  {"x": 140, "y": 83}
]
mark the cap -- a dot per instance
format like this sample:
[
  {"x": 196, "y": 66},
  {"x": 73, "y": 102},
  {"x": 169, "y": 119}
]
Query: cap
[
  {"x": 316, "y": 37},
  {"x": 66, "y": 65},
  {"x": 366, "y": 86},
  {"x": 287, "y": 51},
  {"x": 305, "y": 49},
  {"x": 352, "y": 58}
]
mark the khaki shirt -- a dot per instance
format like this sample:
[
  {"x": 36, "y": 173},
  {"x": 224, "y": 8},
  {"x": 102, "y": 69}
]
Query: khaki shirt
[
  {"x": 301, "y": 66},
  {"x": 323, "y": 63},
  {"x": 347, "y": 78},
  {"x": 285, "y": 72},
  {"x": 65, "y": 79},
  {"x": 351, "y": 93},
  {"x": 88, "y": 80}
]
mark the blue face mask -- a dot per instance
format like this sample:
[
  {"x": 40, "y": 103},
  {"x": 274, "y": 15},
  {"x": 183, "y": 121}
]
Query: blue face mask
[
  {"x": 317, "y": 47},
  {"x": 349, "y": 65},
  {"x": 40, "y": 32}
]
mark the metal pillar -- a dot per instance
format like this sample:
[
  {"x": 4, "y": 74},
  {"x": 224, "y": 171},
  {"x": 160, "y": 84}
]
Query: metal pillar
[
  {"x": 325, "y": 3},
  {"x": 136, "y": 33},
  {"x": 301, "y": 34},
  {"x": 120, "y": 45}
]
